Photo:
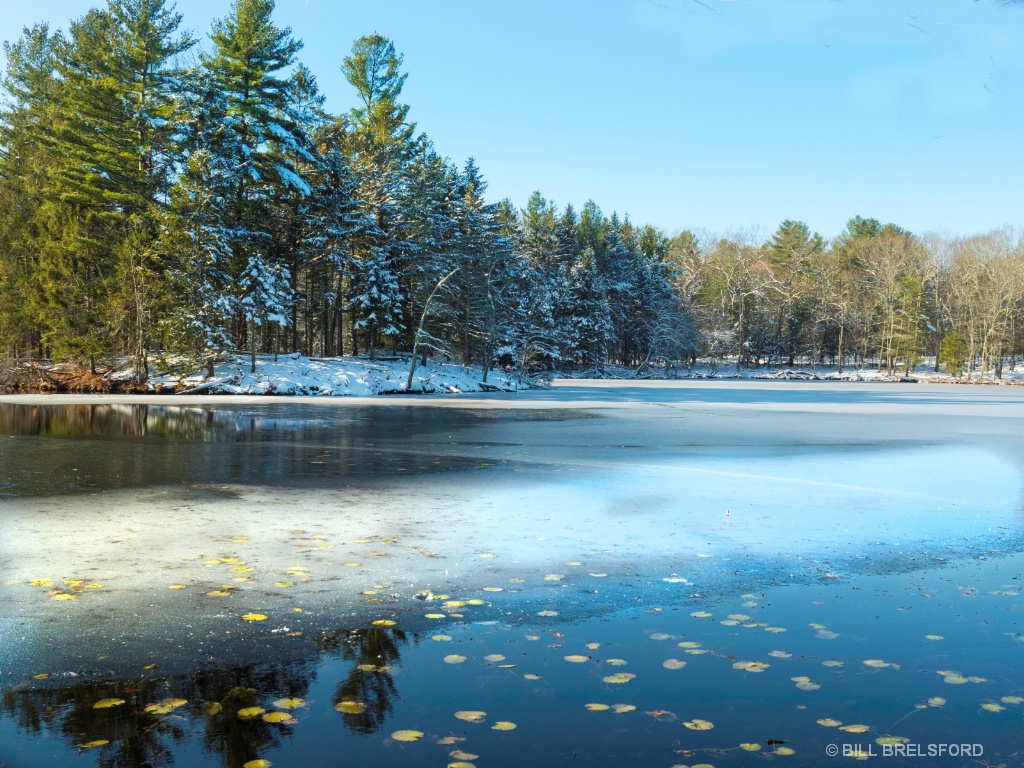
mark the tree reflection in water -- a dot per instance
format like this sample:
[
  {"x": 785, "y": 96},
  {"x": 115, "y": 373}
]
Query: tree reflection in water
[
  {"x": 139, "y": 739},
  {"x": 375, "y": 652}
]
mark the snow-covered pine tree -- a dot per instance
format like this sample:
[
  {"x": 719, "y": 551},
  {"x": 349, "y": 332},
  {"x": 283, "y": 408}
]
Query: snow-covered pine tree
[{"x": 248, "y": 68}]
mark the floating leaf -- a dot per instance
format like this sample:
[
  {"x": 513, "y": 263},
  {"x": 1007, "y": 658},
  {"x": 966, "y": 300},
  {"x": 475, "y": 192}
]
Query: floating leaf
[
  {"x": 616, "y": 662},
  {"x": 213, "y": 707},
  {"x": 96, "y": 743},
  {"x": 780, "y": 654},
  {"x": 729, "y": 623},
  {"x": 458, "y": 754},
  {"x": 460, "y": 764},
  {"x": 660, "y": 636},
  {"x": 350, "y": 707},
  {"x": 454, "y": 658},
  {"x": 701, "y": 615},
  {"x": 673, "y": 664},
  {"x": 530, "y": 676},
  {"x": 487, "y": 555},
  {"x": 577, "y": 659},
  {"x": 503, "y": 725},
  {"x": 433, "y": 615},
  {"x": 597, "y": 707},
  {"x": 1012, "y": 700},
  {"x": 828, "y": 722},
  {"x": 63, "y": 596},
  {"x": 887, "y": 741},
  {"x": 775, "y": 630},
  {"x": 41, "y": 676},
  {"x": 441, "y": 638},
  {"x": 259, "y": 763},
  {"x": 494, "y": 658},
  {"x": 219, "y": 593},
  {"x": 255, "y": 617},
  {"x": 621, "y": 709},
  {"x": 407, "y": 735},
  {"x": 936, "y": 701},
  {"x": 699, "y": 725},
  {"x": 619, "y": 679},
  {"x": 493, "y": 589},
  {"x": 284, "y": 584},
  {"x": 856, "y": 728},
  {"x": 277, "y": 717},
  {"x": 107, "y": 703},
  {"x": 784, "y": 751},
  {"x": 877, "y": 663},
  {"x": 384, "y": 623},
  {"x": 249, "y": 713},
  {"x": 751, "y": 666},
  {"x": 554, "y": 577},
  {"x": 807, "y": 686},
  {"x": 688, "y": 644},
  {"x": 954, "y": 679},
  {"x": 934, "y": 637},
  {"x": 993, "y": 707},
  {"x": 826, "y": 634},
  {"x": 547, "y": 613},
  {"x": 471, "y": 715},
  {"x": 41, "y": 583},
  {"x": 289, "y": 703},
  {"x": 750, "y": 747},
  {"x": 832, "y": 663}
]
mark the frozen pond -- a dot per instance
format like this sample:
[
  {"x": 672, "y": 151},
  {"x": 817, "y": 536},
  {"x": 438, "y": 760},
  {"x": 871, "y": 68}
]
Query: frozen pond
[{"x": 742, "y": 548}]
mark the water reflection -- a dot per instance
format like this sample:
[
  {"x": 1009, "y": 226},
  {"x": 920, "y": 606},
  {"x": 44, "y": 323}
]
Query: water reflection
[
  {"x": 125, "y": 446},
  {"x": 127, "y": 736}
]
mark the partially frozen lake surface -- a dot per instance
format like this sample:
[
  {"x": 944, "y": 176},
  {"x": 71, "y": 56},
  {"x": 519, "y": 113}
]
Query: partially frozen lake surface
[{"x": 610, "y": 567}]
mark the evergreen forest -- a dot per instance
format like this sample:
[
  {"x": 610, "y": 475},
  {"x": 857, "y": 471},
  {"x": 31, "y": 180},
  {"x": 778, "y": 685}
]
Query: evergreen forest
[{"x": 166, "y": 197}]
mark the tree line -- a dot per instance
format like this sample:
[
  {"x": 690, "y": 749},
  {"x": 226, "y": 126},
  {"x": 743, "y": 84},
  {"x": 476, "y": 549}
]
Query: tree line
[{"x": 164, "y": 198}]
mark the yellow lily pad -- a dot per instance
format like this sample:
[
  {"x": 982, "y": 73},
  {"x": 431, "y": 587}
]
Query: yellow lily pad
[
  {"x": 855, "y": 728},
  {"x": 407, "y": 735},
  {"x": 699, "y": 725},
  {"x": 255, "y": 617},
  {"x": 277, "y": 717},
  {"x": 289, "y": 703},
  {"x": 108, "y": 703},
  {"x": 471, "y": 715},
  {"x": 350, "y": 707},
  {"x": 454, "y": 658},
  {"x": 250, "y": 713},
  {"x": 503, "y": 725}
]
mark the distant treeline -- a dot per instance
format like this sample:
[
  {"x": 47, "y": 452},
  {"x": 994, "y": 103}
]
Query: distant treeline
[{"x": 163, "y": 198}]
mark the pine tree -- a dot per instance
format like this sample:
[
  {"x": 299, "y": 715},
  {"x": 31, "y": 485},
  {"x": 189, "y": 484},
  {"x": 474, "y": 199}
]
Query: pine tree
[
  {"x": 382, "y": 144},
  {"x": 263, "y": 142},
  {"x": 29, "y": 86}
]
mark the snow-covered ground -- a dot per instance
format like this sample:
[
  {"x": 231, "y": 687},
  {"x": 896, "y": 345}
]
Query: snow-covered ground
[{"x": 327, "y": 377}]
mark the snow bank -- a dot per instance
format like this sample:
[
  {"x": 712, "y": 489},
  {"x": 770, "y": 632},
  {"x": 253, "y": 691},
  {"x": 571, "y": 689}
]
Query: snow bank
[{"x": 335, "y": 377}]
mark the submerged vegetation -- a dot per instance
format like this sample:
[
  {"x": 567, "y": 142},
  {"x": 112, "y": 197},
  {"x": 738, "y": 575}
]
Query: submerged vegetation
[{"x": 162, "y": 197}]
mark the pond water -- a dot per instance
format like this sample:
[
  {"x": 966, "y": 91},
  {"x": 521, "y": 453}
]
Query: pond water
[{"x": 664, "y": 575}]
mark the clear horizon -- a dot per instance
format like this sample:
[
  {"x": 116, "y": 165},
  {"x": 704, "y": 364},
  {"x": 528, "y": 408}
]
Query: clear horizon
[{"x": 697, "y": 114}]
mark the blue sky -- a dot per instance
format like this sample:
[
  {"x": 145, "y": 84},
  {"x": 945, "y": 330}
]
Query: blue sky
[{"x": 710, "y": 114}]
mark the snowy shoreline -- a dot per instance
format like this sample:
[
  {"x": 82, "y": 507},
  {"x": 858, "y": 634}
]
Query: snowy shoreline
[{"x": 298, "y": 376}]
